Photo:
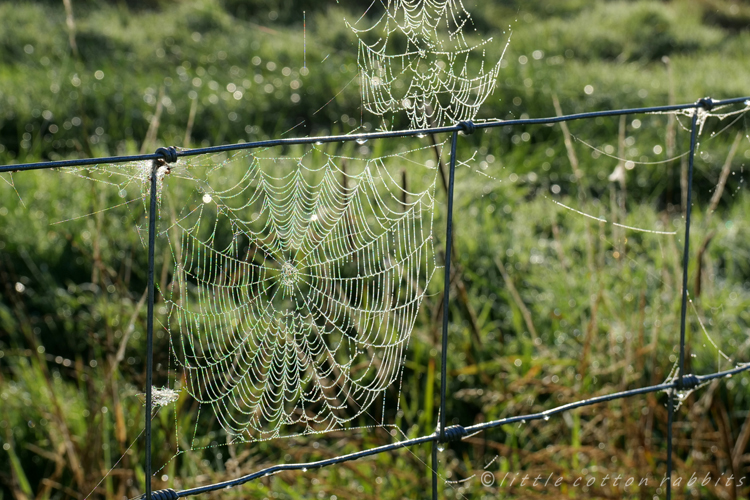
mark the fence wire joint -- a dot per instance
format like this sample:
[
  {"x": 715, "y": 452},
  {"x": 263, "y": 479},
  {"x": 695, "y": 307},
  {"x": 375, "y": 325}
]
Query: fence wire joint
[
  {"x": 688, "y": 382},
  {"x": 706, "y": 103},
  {"x": 467, "y": 127},
  {"x": 169, "y": 154},
  {"x": 167, "y": 494},
  {"x": 454, "y": 433}
]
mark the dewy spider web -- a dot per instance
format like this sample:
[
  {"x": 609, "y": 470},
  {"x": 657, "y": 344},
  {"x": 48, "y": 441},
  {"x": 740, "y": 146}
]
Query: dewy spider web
[
  {"x": 416, "y": 59},
  {"x": 296, "y": 289}
]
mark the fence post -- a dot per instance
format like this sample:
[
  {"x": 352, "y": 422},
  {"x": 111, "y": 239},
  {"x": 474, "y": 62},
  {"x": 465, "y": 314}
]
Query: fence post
[{"x": 703, "y": 103}]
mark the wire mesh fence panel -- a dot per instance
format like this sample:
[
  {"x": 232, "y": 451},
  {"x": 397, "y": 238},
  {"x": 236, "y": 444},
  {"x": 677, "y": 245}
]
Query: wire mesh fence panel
[{"x": 481, "y": 289}]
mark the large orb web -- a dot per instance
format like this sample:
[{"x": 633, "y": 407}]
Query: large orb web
[{"x": 296, "y": 286}]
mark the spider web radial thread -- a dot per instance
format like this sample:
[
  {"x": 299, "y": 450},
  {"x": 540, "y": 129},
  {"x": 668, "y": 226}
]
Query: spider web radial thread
[{"x": 295, "y": 290}]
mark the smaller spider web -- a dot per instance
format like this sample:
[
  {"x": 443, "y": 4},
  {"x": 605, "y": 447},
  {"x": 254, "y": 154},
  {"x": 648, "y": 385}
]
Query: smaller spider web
[{"x": 416, "y": 58}]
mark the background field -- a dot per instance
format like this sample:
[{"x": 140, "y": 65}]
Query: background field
[{"x": 550, "y": 306}]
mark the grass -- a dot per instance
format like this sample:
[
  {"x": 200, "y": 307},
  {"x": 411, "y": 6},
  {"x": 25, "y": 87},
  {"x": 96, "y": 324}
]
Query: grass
[{"x": 549, "y": 306}]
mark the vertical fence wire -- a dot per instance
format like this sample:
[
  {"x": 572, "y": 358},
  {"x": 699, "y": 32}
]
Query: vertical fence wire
[
  {"x": 447, "y": 286},
  {"x": 670, "y": 421},
  {"x": 150, "y": 323},
  {"x": 683, "y": 306},
  {"x": 686, "y": 253},
  {"x": 446, "y": 315},
  {"x": 434, "y": 464}
]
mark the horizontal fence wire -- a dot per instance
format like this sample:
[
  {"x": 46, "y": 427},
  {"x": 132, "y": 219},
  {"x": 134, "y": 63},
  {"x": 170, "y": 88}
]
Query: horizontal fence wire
[
  {"x": 457, "y": 432},
  {"x": 166, "y": 153},
  {"x": 443, "y": 434}
]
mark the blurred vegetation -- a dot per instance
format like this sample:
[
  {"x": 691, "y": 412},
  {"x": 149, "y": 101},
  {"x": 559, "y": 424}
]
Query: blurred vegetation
[{"x": 549, "y": 306}]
